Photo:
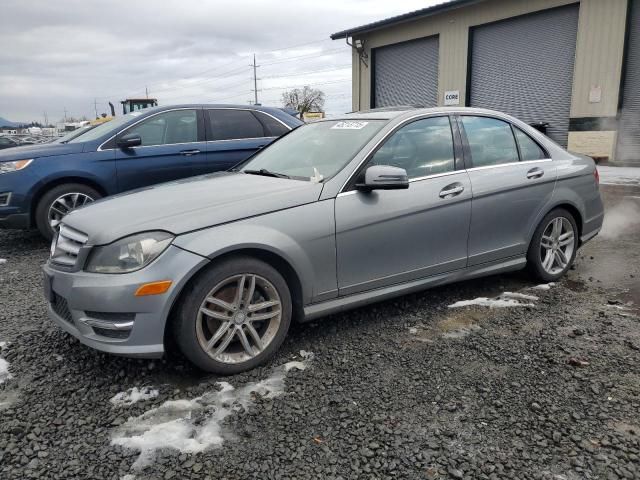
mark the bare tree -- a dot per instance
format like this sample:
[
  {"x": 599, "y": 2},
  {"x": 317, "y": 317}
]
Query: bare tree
[{"x": 304, "y": 100}]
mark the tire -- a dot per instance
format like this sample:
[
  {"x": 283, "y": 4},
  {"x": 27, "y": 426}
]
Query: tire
[
  {"x": 560, "y": 262},
  {"x": 43, "y": 208},
  {"x": 194, "y": 329}
]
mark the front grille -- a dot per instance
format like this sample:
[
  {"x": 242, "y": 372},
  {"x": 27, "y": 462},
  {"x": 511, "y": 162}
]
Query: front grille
[
  {"x": 112, "y": 316},
  {"x": 67, "y": 245},
  {"x": 61, "y": 308}
]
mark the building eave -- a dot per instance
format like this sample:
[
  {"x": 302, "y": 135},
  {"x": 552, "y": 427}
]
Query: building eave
[{"x": 405, "y": 17}]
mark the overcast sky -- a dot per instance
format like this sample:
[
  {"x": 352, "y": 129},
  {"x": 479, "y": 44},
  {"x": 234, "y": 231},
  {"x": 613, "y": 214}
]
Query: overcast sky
[{"x": 62, "y": 54}]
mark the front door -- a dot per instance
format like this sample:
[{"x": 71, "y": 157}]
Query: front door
[
  {"x": 170, "y": 147},
  {"x": 386, "y": 237},
  {"x": 512, "y": 179}
]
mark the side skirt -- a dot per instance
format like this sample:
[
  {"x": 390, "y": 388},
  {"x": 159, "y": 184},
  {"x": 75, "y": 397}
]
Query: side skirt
[{"x": 316, "y": 310}]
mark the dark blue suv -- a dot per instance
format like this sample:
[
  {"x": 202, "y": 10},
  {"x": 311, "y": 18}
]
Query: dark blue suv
[{"x": 40, "y": 184}]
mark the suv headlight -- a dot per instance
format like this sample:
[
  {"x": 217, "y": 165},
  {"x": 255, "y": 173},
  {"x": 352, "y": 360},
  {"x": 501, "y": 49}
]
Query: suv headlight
[
  {"x": 128, "y": 254},
  {"x": 6, "y": 167}
]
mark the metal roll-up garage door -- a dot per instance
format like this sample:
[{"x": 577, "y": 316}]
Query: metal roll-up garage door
[
  {"x": 629, "y": 130},
  {"x": 523, "y": 66},
  {"x": 406, "y": 73}
]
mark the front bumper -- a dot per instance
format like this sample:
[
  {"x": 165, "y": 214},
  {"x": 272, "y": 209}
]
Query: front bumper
[
  {"x": 16, "y": 220},
  {"x": 102, "y": 311}
]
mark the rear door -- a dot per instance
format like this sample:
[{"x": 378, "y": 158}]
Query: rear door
[
  {"x": 385, "y": 237},
  {"x": 171, "y": 142},
  {"x": 234, "y": 134},
  {"x": 512, "y": 178}
]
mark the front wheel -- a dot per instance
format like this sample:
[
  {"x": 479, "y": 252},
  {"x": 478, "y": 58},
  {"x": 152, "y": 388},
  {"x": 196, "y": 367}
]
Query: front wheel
[
  {"x": 554, "y": 246},
  {"x": 234, "y": 317},
  {"x": 58, "y": 202}
]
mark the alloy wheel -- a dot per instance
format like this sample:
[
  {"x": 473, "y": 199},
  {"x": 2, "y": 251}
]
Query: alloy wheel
[
  {"x": 64, "y": 204},
  {"x": 239, "y": 318},
  {"x": 557, "y": 245}
]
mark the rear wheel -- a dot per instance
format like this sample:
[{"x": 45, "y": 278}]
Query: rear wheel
[
  {"x": 554, "y": 246},
  {"x": 234, "y": 317},
  {"x": 58, "y": 202}
]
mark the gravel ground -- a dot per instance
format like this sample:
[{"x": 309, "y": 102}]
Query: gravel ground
[{"x": 405, "y": 389}]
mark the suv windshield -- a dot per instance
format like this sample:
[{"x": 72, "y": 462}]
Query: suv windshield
[
  {"x": 105, "y": 128},
  {"x": 315, "y": 151}
]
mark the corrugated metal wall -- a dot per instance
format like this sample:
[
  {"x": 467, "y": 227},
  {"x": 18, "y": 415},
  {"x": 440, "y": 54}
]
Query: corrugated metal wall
[
  {"x": 406, "y": 73},
  {"x": 629, "y": 131},
  {"x": 524, "y": 66}
]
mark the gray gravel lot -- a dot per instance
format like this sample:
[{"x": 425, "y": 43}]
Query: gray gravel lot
[{"x": 405, "y": 389}]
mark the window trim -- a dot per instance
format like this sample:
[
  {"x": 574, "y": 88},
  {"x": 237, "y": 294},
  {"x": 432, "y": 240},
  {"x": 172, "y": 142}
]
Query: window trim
[
  {"x": 458, "y": 164},
  {"x": 100, "y": 149},
  {"x": 250, "y": 110},
  {"x": 468, "y": 158},
  {"x": 544, "y": 150}
]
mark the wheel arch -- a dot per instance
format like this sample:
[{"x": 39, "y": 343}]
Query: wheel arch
[
  {"x": 52, "y": 183},
  {"x": 282, "y": 265},
  {"x": 567, "y": 205}
]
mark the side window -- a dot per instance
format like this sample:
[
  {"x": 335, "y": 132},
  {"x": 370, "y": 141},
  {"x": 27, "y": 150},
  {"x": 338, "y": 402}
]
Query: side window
[
  {"x": 529, "y": 149},
  {"x": 272, "y": 127},
  {"x": 233, "y": 124},
  {"x": 423, "y": 147},
  {"x": 178, "y": 126},
  {"x": 490, "y": 140}
]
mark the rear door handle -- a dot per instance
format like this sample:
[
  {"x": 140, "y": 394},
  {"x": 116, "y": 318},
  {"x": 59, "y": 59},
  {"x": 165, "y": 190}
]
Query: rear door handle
[
  {"x": 451, "y": 190},
  {"x": 189, "y": 152},
  {"x": 535, "y": 173}
]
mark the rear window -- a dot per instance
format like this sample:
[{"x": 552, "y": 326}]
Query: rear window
[
  {"x": 233, "y": 124},
  {"x": 272, "y": 127}
]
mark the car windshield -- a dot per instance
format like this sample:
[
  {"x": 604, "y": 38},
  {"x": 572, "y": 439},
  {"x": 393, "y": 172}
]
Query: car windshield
[
  {"x": 105, "y": 128},
  {"x": 74, "y": 134},
  {"x": 316, "y": 151}
]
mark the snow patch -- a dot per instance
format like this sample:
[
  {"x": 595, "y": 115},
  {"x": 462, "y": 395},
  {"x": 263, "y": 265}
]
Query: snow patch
[
  {"x": 134, "y": 395},
  {"x": 191, "y": 426},
  {"x": 619, "y": 175},
  {"x": 4, "y": 371},
  {"x": 506, "y": 300},
  {"x": 3, "y": 261},
  {"x": 128, "y": 476},
  {"x": 544, "y": 286}
]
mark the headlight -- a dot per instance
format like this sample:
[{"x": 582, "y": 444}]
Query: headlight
[
  {"x": 6, "y": 167},
  {"x": 128, "y": 254}
]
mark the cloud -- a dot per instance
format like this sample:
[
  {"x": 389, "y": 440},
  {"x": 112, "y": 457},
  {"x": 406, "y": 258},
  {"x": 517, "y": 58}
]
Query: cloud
[{"x": 62, "y": 55}]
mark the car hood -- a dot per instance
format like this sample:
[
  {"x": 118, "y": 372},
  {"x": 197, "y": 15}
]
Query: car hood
[
  {"x": 38, "y": 151},
  {"x": 191, "y": 204}
]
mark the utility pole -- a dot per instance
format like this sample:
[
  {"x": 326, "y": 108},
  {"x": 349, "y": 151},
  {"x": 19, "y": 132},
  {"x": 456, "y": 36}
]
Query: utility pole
[
  {"x": 95, "y": 106},
  {"x": 146, "y": 91},
  {"x": 65, "y": 114},
  {"x": 255, "y": 80},
  {"x": 46, "y": 120}
]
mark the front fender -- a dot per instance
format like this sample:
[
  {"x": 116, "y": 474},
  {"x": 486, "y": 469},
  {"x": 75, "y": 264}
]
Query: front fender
[{"x": 303, "y": 236}]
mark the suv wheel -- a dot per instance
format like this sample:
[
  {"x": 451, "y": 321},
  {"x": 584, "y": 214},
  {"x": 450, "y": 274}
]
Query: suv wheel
[
  {"x": 234, "y": 316},
  {"x": 58, "y": 202},
  {"x": 554, "y": 246}
]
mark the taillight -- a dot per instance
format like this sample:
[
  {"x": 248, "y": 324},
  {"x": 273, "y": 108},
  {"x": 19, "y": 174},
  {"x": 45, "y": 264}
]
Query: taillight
[{"x": 596, "y": 175}]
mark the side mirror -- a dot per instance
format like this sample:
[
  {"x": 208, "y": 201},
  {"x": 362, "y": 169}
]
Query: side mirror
[
  {"x": 130, "y": 140},
  {"x": 384, "y": 177}
]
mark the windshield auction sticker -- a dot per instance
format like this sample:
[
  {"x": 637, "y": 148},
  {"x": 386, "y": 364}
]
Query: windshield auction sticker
[{"x": 350, "y": 125}]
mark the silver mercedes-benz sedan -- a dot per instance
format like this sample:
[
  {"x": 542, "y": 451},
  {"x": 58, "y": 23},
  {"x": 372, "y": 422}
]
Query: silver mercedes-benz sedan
[{"x": 334, "y": 215}]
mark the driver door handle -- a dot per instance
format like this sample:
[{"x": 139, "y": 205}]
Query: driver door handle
[
  {"x": 451, "y": 190},
  {"x": 536, "y": 172},
  {"x": 189, "y": 152}
]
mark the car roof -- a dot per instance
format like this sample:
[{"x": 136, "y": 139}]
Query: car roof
[
  {"x": 209, "y": 105},
  {"x": 401, "y": 112}
]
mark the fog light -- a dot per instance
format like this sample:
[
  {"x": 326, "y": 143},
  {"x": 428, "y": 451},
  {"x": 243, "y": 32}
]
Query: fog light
[
  {"x": 153, "y": 288},
  {"x": 5, "y": 198}
]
